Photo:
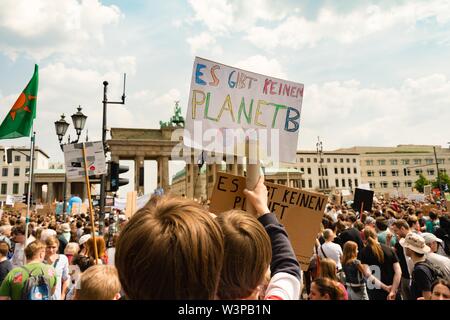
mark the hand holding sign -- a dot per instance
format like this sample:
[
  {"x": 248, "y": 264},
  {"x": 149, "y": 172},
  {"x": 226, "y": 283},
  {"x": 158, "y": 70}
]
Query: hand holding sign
[{"x": 258, "y": 197}]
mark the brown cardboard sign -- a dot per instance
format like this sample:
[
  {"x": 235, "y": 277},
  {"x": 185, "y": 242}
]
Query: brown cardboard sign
[
  {"x": 299, "y": 211},
  {"x": 427, "y": 208}
]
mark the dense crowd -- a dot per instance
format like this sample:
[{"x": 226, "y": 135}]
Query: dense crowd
[{"x": 174, "y": 248}]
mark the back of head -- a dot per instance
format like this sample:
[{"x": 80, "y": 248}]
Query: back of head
[
  {"x": 99, "y": 282},
  {"x": 328, "y": 234},
  {"x": 328, "y": 269},
  {"x": 248, "y": 253},
  {"x": 90, "y": 248},
  {"x": 171, "y": 250},
  {"x": 328, "y": 287},
  {"x": 33, "y": 249}
]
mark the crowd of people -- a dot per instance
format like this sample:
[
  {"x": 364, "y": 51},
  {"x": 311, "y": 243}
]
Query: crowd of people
[{"x": 174, "y": 248}]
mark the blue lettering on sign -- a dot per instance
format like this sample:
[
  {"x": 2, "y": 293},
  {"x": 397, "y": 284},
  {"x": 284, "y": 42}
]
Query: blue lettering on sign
[
  {"x": 198, "y": 74},
  {"x": 292, "y": 120}
]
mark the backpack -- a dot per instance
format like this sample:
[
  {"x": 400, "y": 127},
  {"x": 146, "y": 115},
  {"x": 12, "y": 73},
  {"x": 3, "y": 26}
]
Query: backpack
[
  {"x": 36, "y": 287},
  {"x": 436, "y": 271}
]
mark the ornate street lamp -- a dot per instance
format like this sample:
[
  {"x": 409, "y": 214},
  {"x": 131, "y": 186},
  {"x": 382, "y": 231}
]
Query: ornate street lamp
[
  {"x": 79, "y": 120},
  {"x": 61, "y": 127}
]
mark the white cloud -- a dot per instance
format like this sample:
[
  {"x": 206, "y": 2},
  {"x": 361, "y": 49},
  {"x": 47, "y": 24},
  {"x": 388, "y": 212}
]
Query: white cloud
[
  {"x": 204, "y": 43},
  {"x": 40, "y": 28},
  {"x": 347, "y": 114},
  {"x": 296, "y": 31},
  {"x": 263, "y": 65}
]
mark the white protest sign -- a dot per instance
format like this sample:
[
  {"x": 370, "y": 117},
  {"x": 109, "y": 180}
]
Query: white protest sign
[
  {"x": 73, "y": 159},
  {"x": 416, "y": 197},
  {"x": 9, "y": 200},
  {"x": 227, "y": 104},
  {"x": 364, "y": 186}
]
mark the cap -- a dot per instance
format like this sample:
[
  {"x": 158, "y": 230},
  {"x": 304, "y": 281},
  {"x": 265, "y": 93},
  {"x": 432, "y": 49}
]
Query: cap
[
  {"x": 84, "y": 238},
  {"x": 429, "y": 238}
]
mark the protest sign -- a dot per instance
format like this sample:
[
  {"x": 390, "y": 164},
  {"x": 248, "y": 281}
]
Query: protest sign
[
  {"x": 427, "y": 190},
  {"x": 363, "y": 198},
  {"x": 416, "y": 197},
  {"x": 299, "y": 211},
  {"x": 427, "y": 208},
  {"x": 130, "y": 208},
  {"x": 9, "y": 200},
  {"x": 227, "y": 104},
  {"x": 73, "y": 159}
]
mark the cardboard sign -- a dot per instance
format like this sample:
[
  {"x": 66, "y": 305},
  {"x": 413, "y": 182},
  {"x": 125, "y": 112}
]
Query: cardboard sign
[
  {"x": 73, "y": 159},
  {"x": 130, "y": 208},
  {"x": 427, "y": 208},
  {"x": 363, "y": 197},
  {"x": 427, "y": 190},
  {"x": 226, "y": 104},
  {"x": 299, "y": 211}
]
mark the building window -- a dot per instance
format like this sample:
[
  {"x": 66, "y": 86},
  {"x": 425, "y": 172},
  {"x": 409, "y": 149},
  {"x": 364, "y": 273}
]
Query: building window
[
  {"x": 320, "y": 184},
  {"x": 343, "y": 183},
  {"x": 396, "y": 184},
  {"x": 25, "y": 188},
  {"x": 310, "y": 183},
  {"x": 372, "y": 184},
  {"x": 301, "y": 160},
  {"x": 418, "y": 172},
  {"x": 328, "y": 160},
  {"x": 309, "y": 170},
  {"x": 354, "y": 160},
  {"x": 417, "y": 161},
  {"x": 27, "y": 170},
  {"x": 370, "y": 173},
  {"x": 326, "y": 184},
  {"x": 17, "y": 158},
  {"x": 384, "y": 184},
  {"x": 441, "y": 161},
  {"x": 342, "y": 171},
  {"x": 341, "y": 160},
  {"x": 16, "y": 172},
  {"x": 315, "y": 160},
  {"x": 442, "y": 171},
  {"x": 406, "y": 172},
  {"x": 408, "y": 184},
  {"x": 308, "y": 160},
  {"x": 335, "y": 170},
  {"x": 430, "y": 172},
  {"x": 4, "y": 172},
  {"x": 382, "y": 173},
  {"x": 303, "y": 183},
  {"x": 350, "y": 183},
  {"x": 349, "y": 171},
  {"x": 335, "y": 160},
  {"x": 394, "y": 162},
  {"x": 356, "y": 183},
  {"x": 15, "y": 188},
  {"x": 355, "y": 171},
  {"x": 369, "y": 162},
  {"x": 326, "y": 171},
  {"x": 405, "y": 161},
  {"x": 4, "y": 188},
  {"x": 348, "y": 160},
  {"x": 381, "y": 162},
  {"x": 429, "y": 161},
  {"x": 318, "y": 169},
  {"x": 337, "y": 183},
  {"x": 394, "y": 173}
]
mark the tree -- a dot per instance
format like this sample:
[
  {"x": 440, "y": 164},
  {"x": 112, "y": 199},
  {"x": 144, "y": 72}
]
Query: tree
[
  {"x": 443, "y": 179},
  {"x": 421, "y": 182}
]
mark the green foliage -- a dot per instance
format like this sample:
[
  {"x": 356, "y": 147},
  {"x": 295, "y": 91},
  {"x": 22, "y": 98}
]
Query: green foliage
[
  {"x": 421, "y": 182},
  {"x": 443, "y": 179}
]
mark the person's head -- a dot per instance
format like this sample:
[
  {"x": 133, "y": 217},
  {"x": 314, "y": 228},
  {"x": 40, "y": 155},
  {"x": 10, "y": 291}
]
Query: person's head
[
  {"x": 47, "y": 233},
  {"x": 371, "y": 239},
  {"x": 432, "y": 241},
  {"x": 400, "y": 228},
  {"x": 99, "y": 282},
  {"x": 381, "y": 223},
  {"x": 433, "y": 215},
  {"x": 415, "y": 245},
  {"x": 4, "y": 249},
  {"x": 248, "y": 253},
  {"x": 35, "y": 251},
  {"x": 90, "y": 247},
  {"x": 324, "y": 289},
  {"x": 52, "y": 246},
  {"x": 5, "y": 230},
  {"x": 440, "y": 290},
  {"x": 328, "y": 269},
  {"x": 350, "y": 252},
  {"x": 18, "y": 234},
  {"x": 370, "y": 222},
  {"x": 328, "y": 235},
  {"x": 71, "y": 249},
  {"x": 173, "y": 250},
  {"x": 413, "y": 223}
]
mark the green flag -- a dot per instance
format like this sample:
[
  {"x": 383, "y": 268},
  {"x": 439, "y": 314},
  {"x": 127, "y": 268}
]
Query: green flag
[{"x": 19, "y": 120}]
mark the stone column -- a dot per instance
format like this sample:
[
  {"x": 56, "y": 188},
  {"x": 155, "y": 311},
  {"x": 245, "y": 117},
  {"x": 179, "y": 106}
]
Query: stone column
[
  {"x": 50, "y": 193},
  {"x": 164, "y": 173},
  {"x": 68, "y": 190},
  {"x": 138, "y": 171}
]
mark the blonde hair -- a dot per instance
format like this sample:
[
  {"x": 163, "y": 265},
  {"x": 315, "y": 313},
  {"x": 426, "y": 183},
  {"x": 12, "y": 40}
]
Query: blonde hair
[
  {"x": 72, "y": 248},
  {"x": 349, "y": 254},
  {"x": 99, "y": 282},
  {"x": 371, "y": 237},
  {"x": 328, "y": 269}
]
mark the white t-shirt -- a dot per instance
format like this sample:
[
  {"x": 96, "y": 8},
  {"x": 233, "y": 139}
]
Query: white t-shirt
[
  {"x": 332, "y": 251},
  {"x": 440, "y": 261},
  {"x": 61, "y": 266}
]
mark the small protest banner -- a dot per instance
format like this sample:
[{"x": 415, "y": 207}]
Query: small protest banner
[
  {"x": 73, "y": 159},
  {"x": 363, "y": 198},
  {"x": 427, "y": 208},
  {"x": 130, "y": 207},
  {"x": 299, "y": 211},
  {"x": 227, "y": 105},
  {"x": 427, "y": 190},
  {"x": 416, "y": 197}
]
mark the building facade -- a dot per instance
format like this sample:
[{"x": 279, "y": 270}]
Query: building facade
[
  {"x": 394, "y": 170},
  {"x": 14, "y": 176}
]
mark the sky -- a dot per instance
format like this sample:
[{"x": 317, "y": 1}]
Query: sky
[{"x": 375, "y": 73}]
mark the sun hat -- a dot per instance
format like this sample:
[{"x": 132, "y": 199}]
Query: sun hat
[
  {"x": 65, "y": 227},
  {"x": 84, "y": 238},
  {"x": 415, "y": 242}
]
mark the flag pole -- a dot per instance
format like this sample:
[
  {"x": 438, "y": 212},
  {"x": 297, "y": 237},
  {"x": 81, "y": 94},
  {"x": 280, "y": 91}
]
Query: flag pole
[{"x": 30, "y": 183}]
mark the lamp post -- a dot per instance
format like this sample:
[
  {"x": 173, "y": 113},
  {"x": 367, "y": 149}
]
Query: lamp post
[
  {"x": 319, "y": 149},
  {"x": 61, "y": 126}
]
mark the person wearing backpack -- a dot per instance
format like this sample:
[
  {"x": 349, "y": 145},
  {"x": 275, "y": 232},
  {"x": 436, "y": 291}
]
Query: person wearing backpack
[
  {"x": 33, "y": 281},
  {"x": 424, "y": 273}
]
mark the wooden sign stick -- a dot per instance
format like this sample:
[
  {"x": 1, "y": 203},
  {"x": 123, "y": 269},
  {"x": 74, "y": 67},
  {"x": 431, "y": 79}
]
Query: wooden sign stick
[{"x": 253, "y": 170}]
